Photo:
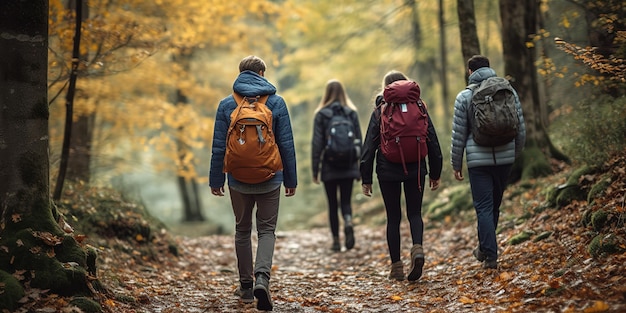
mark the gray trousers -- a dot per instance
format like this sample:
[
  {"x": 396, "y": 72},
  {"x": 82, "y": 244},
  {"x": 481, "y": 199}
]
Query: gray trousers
[{"x": 266, "y": 217}]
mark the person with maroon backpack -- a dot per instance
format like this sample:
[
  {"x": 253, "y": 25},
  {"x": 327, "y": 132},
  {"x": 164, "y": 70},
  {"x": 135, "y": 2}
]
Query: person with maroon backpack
[{"x": 400, "y": 136}]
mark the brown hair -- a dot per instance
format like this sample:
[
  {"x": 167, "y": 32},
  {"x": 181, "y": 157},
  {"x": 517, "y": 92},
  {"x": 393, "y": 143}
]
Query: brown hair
[
  {"x": 389, "y": 78},
  {"x": 477, "y": 61},
  {"x": 335, "y": 93},
  {"x": 252, "y": 63}
]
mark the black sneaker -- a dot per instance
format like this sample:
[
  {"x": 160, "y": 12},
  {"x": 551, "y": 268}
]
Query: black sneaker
[
  {"x": 479, "y": 255},
  {"x": 262, "y": 293},
  {"x": 349, "y": 231}
]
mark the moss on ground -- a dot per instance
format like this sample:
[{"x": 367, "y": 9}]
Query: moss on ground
[{"x": 11, "y": 291}]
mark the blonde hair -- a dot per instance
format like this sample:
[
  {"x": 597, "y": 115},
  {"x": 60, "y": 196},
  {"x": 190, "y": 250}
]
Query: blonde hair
[
  {"x": 389, "y": 78},
  {"x": 335, "y": 93}
]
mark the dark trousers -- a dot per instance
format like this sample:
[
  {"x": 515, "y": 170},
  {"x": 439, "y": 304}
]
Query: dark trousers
[
  {"x": 391, "y": 192},
  {"x": 344, "y": 186},
  {"x": 488, "y": 184}
]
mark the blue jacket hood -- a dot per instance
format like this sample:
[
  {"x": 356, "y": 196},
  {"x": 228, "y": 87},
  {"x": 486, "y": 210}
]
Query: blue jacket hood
[{"x": 249, "y": 84}]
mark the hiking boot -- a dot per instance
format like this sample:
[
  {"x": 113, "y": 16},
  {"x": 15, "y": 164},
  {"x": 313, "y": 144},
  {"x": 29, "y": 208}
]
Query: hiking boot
[
  {"x": 336, "y": 247},
  {"x": 490, "y": 263},
  {"x": 397, "y": 271},
  {"x": 262, "y": 292},
  {"x": 417, "y": 262},
  {"x": 479, "y": 255},
  {"x": 245, "y": 294},
  {"x": 349, "y": 231}
]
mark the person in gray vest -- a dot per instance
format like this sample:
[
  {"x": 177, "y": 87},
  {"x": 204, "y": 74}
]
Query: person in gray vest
[{"x": 488, "y": 167}]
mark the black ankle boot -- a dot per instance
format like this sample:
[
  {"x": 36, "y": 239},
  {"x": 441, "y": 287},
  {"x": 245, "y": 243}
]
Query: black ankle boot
[
  {"x": 348, "y": 231},
  {"x": 336, "y": 247},
  {"x": 262, "y": 292}
]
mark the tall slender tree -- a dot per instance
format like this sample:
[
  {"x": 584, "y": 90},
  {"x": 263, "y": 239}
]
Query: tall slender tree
[
  {"x": 444, "y": 59},
  {"x": 79, "y": 162},
  {"x": 69, "y": 102}
]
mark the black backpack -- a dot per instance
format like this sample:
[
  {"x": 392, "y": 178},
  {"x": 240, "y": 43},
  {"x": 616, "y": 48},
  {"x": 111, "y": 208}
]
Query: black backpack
[{"x": 342, "y": 147}]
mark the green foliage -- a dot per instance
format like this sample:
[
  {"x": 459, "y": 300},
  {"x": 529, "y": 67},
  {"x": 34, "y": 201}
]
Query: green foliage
[{"x": 596, "y": 129}]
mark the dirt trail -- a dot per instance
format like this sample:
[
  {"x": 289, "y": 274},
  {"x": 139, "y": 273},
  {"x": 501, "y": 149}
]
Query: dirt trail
[{"x": 308, "y": 277}]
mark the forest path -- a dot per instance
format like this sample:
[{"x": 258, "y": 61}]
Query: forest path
[{"x": 308, "y": 277}]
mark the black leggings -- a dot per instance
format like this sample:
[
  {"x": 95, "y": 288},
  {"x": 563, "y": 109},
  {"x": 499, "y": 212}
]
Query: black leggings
[
  {"x": 345, "y": 193},
  {"x": 391, "y": 192}
]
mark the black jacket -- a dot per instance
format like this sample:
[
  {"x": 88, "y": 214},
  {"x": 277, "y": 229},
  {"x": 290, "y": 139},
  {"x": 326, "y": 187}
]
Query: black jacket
[
  {"x": 320, "y": 124},
  {"x": 389, "y": 171}
]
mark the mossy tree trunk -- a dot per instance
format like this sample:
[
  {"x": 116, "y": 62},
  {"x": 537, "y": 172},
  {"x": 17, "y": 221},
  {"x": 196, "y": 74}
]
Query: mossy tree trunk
[
  {"x": 519, "y": 24},
  {"x": 32, "y": 244}
]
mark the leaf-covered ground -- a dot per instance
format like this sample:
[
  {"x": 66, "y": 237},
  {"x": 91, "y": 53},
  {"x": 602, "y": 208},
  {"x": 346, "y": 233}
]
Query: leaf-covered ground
[
  {"x": 555, "y": 275},
  {"x": 553, "y": 271}
]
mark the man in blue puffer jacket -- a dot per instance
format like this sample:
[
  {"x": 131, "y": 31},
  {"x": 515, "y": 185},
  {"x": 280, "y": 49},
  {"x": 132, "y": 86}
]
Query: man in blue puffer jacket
[
  {"x": 488, "y": 167},
  {"x": 250, "y": 83}
]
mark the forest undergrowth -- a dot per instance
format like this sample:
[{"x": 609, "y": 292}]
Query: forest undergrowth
[{"x": 553, "y": 268}]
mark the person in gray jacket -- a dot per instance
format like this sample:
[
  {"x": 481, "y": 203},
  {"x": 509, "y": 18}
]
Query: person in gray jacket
[{"x": 488, "y": 167}]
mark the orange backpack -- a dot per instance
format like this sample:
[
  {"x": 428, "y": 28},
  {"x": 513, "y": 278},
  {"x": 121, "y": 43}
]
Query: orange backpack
[{"x": 252, "y": 155}]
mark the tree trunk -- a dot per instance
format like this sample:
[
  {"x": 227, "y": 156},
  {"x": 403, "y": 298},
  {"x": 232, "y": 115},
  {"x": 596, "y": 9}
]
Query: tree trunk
[
  {"x": 469, "y": 36},
  {"x": 32, "y": 242},
  {"x": 190, "y": 198},
  {"x": 444, "y": 60},
  {"x": 79, "y": 160},
  {"x": 519, "y": 24},
  {"x": 79, "y": 165},
  {"x": 69, "y": 104},
  {"x": 421, "y": 67}
]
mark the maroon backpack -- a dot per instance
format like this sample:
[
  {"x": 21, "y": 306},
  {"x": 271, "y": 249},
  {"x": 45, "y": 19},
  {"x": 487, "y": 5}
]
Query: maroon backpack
[{"x": 403, "y": 124}]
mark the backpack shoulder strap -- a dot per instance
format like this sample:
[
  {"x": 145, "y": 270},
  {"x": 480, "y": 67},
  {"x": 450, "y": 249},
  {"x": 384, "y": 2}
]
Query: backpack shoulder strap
[
  {"x": 472, "y": 87},
  {"x": 423, "y": 106},
  {"x": 238, "y": 98}
]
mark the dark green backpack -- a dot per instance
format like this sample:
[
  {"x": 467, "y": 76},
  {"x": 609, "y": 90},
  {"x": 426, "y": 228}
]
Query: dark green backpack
[{"x": 493, "y": 113}]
